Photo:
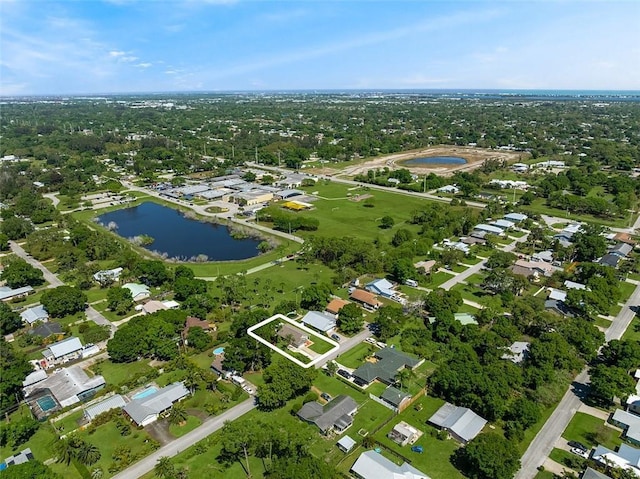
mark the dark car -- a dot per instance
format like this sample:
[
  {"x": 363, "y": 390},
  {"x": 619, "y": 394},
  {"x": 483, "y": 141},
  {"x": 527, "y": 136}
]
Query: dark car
[
  {"x": 335, "y": 337},
  {"x": 578, "y": 445},
  {"x": 325, "y": 396},
  {"x": 344, "y": 374}
]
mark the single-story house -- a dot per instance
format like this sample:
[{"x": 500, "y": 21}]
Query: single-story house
[
  {"x": 145, "y": 410},
  {"x": 625, "y": 238},
  {"x": 366, "y": 299},
  {"x": 494, "y": 230},
  {"x": 457, "y": 245},
  {"x": 546, "y": 256},
  {"x": 395, "y": 398},
  {"x": 425, "y": 265},
  {"x": 557, "y": 294},
  {"x": 622, "y": 250},
  {"x": 593, "y": 474},
  {"x": 23, "y": 456},
  {"x": 503, "y": 224},
  {"x": 393, "y": 181},
  {"x": 537, "y": 267},
  {"x": 609, "y": 259},
  {"x": 520, "y": 167},
  {"x": 193, "y": 322},
  {"x": 626, "y": 457},
  {"x": 47, "y": 329},
  {"x": 138, "y": 291},
  {"x": 515, "y": 217},
  {"x": 558, "y": 307},
  {"x": 389, "y": 362},
  {"x": 284, "y": 194},
  {"x": 217, "y": 366},
  {"x": 517, "y": 352},
  {"x": 336, "y": 415},
  {"x": 35, "y": 314},
  {"x": 573, "y": 285},
  {"x": 629, "y": 423},
  {"x": 383, "y": 287},
  {"x": 335, "y": 305},
  {"x": 373, "y": 465},
  {"x": 294, "y": 336},
  {"x": 35, "y": 377},
  {"x": 460, "y": 422},
  {"x": 319, "y": 321},
  {"x": 450, "y": 189},
  {"x": 9, "y": 294},
  {"x": 113, "y": 402},
  {"x": 108, "y": 275},
  {"x": 403, "y": 434},
  {"x": 63, "y": 351},
  {"x": 65, "y": 387},
  {"x": 519, "y": 270},
  {"x": 346, "y": 443},
  {"x": 153, "y": 306}
]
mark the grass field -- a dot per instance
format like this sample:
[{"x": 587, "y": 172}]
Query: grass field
[
  {"x": 119, "y": 373},
  {"x": 633, "y": 331},
  {"x": 591, "y": 431},
  {"x": 437, "y": 278},
  {"x": 565, "y": 457},
  {"x": 626, "y": 290},
  {"x": 190, "y": 424},
  {"x": 356, "y": 356}
]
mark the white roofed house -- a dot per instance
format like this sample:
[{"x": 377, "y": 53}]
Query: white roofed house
[
  {"x": 373, "y": 465},
  {"x": 319, "y": 321},
  {"x": 62, "y": 351},
  {"x": 145, "y": 410},
  {"x": 35, "y": 314},
  {"x": 107, "y": 276},
  {"x": 138, "y": 291},
  {"x": 113, "y": 402},
  {"x": 460, "y": 422}
]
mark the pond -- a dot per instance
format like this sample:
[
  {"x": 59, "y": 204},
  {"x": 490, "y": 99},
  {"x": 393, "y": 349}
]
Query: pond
[
  {"x": 436, "y": 160},
  {"x": 177, "y": 236}
]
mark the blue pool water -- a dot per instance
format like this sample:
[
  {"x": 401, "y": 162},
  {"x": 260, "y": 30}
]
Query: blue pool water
[
  {"x": 145, "y": 393},
  {"x": 46, "y": 403},
  {"x": 436, "y": 160},
  {"x": 218, "y": 351}
]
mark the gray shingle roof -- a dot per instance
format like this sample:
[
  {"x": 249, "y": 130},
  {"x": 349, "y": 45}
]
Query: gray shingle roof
[
  {"x": 394, "y": 396},
  {"x": 390, "y": 361},
  {"x": 336, "y": 412},
  {"x": 461, "y": 421},
  {"x": 593, "y": 474}
]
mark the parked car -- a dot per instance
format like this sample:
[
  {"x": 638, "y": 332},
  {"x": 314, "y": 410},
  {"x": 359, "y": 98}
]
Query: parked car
[
  {"x": 335, "y": 337},
  {"x": 344, "y": 374},
  {"x": 326, "y": 396},
  {"x": 580, "y": 452},
  {"x": 578, "y": 445},
  {"x": 360, "y": 382}
]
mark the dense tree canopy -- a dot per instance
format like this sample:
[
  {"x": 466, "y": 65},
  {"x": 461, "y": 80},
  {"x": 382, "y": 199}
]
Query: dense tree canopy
[
  {"x": 17, "y": 273},
  {"x": 63, "y": 300},
  {"x": 10, "y": 321},
  {"x": 14, "y": 367}
]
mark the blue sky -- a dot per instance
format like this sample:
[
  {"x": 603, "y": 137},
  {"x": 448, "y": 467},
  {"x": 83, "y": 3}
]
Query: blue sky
[{"x": 119, "y": 46}]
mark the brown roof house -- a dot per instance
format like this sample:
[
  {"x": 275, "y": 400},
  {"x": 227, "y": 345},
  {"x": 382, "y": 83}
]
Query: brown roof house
[
  {"x": 295, "y": 337},
  {"x": 366, "y": 299},
  {"x": 335, "y": 305}
]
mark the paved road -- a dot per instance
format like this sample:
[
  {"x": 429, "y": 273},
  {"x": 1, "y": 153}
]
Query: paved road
[
  {"x": 347, "y": 344},
  {"x": 210, "y": 426},
  {"x": 429, "y": 196},
  {"x": 51, "y": 278},
  {"x": 544, "y": 441},
  {"x": 54, "y": 282}
]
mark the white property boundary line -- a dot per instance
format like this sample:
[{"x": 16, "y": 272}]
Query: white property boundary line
[{"x": 260, "y": 339}]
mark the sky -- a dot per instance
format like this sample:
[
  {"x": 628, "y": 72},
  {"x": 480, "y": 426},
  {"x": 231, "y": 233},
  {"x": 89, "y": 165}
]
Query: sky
[{"x": 50, "y": 47}]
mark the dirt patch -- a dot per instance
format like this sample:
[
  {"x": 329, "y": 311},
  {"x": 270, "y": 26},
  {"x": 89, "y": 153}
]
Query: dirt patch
[
  {"x": 159, "y": 430},
  {"x": 474, "y": 157},
  {"x": 360, "y": 198}
]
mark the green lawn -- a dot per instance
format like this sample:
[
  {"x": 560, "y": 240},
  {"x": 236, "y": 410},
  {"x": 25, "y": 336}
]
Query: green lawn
[
  {"x": 69, "y": 423},
  {"x": 108, "y": 439},
  {"x": 626, "y": 290},
  {"x": 41, "y": 444},
  {"x": 591, "y": 431},
  {"x": 119, "y": 373},
  {"x": 376, "y": 388},
  {"x": 190, "y": 424},
  {"x": 633, "y": 331},
  {"x": 319, "y": 345},
  {"x": 435, "y": 461},
  {"x": 566, "y": 458},
  {"x": 545, "y": 475},
  {"x": 356, "y": 356},
  {"x": 437, "y": 278},
  {"x": 603, "y": 323}
]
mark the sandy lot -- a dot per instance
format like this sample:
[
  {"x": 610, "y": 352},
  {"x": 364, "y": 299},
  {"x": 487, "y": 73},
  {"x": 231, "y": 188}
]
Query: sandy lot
[{"x": 474, "y": 157}]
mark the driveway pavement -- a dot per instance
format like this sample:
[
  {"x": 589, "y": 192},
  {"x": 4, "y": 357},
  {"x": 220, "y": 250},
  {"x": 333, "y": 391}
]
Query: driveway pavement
[{"x": 51, "y": 278}]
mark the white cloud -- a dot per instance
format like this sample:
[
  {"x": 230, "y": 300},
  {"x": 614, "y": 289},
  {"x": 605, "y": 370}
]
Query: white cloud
[
  {"x": 144, "y": 65},
  {"x": 115, "y": 53}
]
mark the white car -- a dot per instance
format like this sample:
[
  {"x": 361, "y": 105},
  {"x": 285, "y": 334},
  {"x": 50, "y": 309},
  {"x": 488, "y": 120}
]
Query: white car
[{"x": 580, "y": 452}]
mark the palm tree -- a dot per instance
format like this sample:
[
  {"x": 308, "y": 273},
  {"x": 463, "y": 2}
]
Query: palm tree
[
  {"x": 178, "y": 414},
  {"x": 164, "y": 468},
  {"x": 88, "y": 453},
  {"x": 97, "y": 473},
  {"x": 65, "y": 450}
]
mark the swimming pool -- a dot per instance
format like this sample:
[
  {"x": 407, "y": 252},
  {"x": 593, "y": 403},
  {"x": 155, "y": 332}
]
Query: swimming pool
[
  {"x": 46, "y": 403},
  {"x": 143, "y": 394},
  {"x": 218, "y": 351}
]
